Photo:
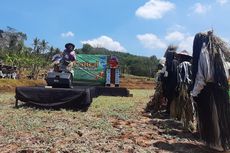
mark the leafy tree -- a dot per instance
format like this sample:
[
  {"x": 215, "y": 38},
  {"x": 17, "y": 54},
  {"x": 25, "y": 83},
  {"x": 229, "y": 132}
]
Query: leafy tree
[
  {"x": 132, "y": 64},
  {"x": 57, "y": 51},
  {"x": 86, "y": 48},
  {"x": 36, "y": 42},
  {"x": 12, "y": 40},
  {"x": 14, "y": 52},
  {"x": 44, "y": 46}
]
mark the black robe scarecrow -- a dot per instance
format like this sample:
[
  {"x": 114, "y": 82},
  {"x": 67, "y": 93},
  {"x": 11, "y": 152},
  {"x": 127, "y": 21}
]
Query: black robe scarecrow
[
  {"x": 170, "y": 81},
  {"x": 210, "y": 89}
]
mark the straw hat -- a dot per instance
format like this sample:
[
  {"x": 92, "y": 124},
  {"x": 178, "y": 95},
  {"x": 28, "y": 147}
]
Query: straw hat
[{"x": 184, "y": 53}]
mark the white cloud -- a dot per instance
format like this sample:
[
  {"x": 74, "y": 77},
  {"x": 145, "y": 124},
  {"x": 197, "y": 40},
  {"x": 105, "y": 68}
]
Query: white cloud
[
  {"x": 222, "y": 2},
  {"x": 186, "y": 44},
  {"x": 184, "y": 41},
  {"x": 67, "y": 34},
  {"x": 106, "y": 42},
  {"x": 176, "y": 27},
  {"x": 151, "y": 41},
  {"x": 175, "y": 36},
  {"x": 199, "y": 8},
  {"x": 154, "y": 9}
]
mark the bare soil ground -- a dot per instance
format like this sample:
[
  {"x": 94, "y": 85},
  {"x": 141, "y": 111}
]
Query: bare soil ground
[
  {"x": 111, "y": 124},
  {"x": 131, "y": 82},
  {"x": 137, "y": 83},
  {"x": 10, "y": 84}
]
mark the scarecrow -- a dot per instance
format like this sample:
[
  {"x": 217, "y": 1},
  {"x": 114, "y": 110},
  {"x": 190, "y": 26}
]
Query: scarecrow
[
  {"x": 157, "y": 101},
  {"x": 182, "y": 107},
  {"x": 170, "y": 81},
  {"x": 210, "y": 86}
]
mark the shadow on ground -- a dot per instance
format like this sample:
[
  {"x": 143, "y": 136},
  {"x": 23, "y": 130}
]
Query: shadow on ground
[
  {"x": 79, "y": 107},
  {"x": 174, "y": 129},
  {"x": 183, "y": 147},
  {"x": 177, "y": 138}
]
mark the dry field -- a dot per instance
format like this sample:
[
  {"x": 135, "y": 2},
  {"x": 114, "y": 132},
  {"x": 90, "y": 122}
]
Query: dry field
[{"x": 111, "y": 124}]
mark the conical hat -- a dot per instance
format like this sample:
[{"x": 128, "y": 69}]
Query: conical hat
[{"x": 185, "y": 53}]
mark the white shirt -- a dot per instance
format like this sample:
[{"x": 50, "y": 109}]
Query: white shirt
[{"x": 205, "y": 71}]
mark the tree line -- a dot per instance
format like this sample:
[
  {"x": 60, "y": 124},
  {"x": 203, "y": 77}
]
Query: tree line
[
  {"x": 131, "y": 64},
  {"x": 33, "y": 59}
]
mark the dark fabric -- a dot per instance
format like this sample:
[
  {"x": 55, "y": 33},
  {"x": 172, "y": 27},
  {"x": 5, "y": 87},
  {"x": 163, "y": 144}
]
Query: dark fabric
[
  {"x": 52, "y": 96},
  {"x": 183, "y": 58},
  {"x": 80, "y": 95},
  {"x": 169, "y": 50},
  {"x": 170, "y": 83},
  {"x": 169, "y": 61},
  {"x": 197, "y": 45},
  {"x": 213, "y": 101},
  {"x": 219, "y": 73},
  {"x": 112, "y": 75},
  {"x": 214, "y": 96},
  {"x": 112, "y": 91}
]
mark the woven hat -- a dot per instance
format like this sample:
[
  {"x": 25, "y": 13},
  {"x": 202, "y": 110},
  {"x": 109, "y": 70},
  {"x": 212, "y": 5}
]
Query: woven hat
[{"x": 184, "y": 53}]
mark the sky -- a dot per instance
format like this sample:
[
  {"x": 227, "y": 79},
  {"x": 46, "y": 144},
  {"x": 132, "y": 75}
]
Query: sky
[{"x": 139, "y": 27}]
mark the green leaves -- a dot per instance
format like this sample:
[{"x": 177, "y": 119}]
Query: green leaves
[{"x": 131, "y": 64}]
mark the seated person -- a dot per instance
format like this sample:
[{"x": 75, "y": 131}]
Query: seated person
[
  {"x": 68, "y": 57},
  {"x": 69, "y": 53},
  {"x": 65, "y": 60}
]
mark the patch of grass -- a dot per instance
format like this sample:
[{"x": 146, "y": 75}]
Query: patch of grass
[
  {"x": 102, "y": 124},
  {"x": 120, "y": 116},
  {"x": 31, "y": 128},
  {"x": 120, "y": 107}
]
